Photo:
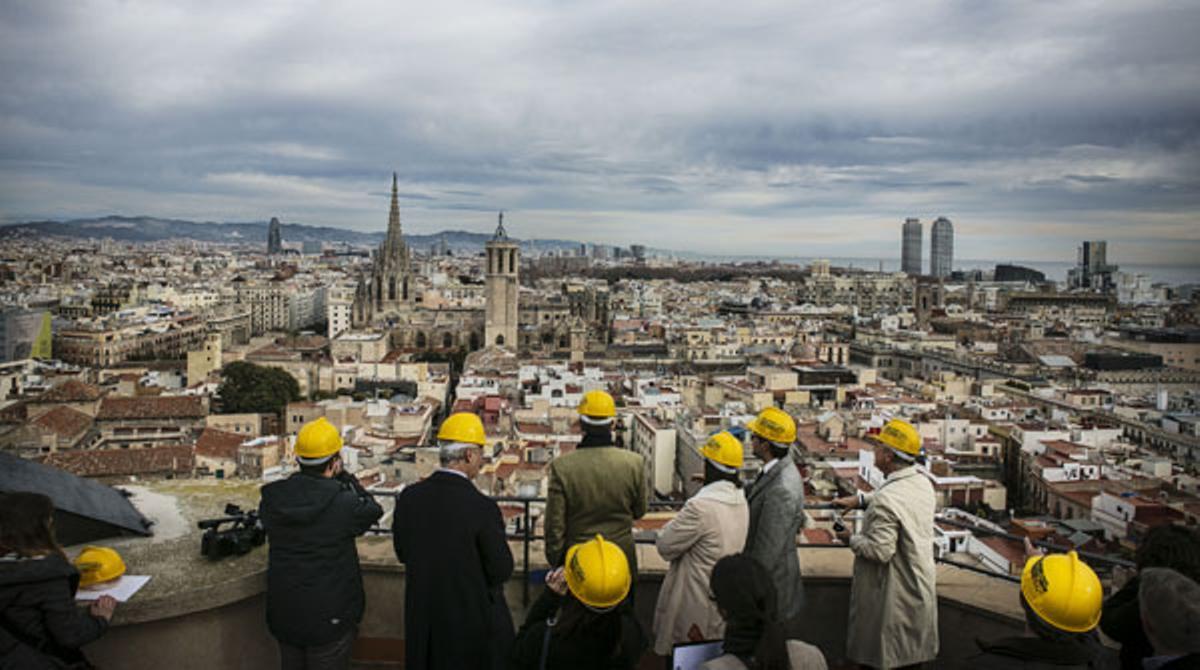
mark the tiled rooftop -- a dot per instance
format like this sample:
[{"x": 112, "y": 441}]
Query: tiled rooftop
[
  {"x": 122, "y": 462},
  {"x": 214, "y": 443},
  {"x": 157, "y": 407},
  {"x": 64, "y": 421},
  {"x": 71, "y": 391}
]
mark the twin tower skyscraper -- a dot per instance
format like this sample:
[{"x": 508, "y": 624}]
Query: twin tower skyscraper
[{"x": 941, "y": 247}]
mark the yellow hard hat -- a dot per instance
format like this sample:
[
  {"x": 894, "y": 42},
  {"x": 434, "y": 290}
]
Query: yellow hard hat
[
  {"x": 98, "y": 564},
  {"x": 1063, "y": 591},
  {"x": 598, "y": 405},
  {"x": 774, "y": 425},
  {"x": 317, "y": 441},
  {"x": 725, "y": 451},
  {"x": 463, "y": 427},
  {"x": 598, "y": 573},
  {"x": 901, "y": 436}
]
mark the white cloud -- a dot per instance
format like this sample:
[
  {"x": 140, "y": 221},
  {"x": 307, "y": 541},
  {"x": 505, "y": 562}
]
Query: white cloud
[{"x": 816, "y": 124}]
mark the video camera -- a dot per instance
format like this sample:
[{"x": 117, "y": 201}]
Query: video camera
[{"x": 245, "y": 534}]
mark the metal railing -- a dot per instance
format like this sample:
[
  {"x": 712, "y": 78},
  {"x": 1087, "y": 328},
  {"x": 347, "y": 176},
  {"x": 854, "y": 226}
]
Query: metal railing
[{"x": 527, "y": 537}]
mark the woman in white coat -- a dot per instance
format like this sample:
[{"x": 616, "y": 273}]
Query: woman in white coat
[{"x": 711, "y": 525}]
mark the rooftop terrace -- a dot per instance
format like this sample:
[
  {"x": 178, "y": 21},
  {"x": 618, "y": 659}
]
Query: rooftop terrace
[{"x": 213, "y": 613}]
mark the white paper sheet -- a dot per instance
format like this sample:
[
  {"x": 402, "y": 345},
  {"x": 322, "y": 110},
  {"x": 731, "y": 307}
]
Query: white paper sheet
[{"x": 122, "y": 588}]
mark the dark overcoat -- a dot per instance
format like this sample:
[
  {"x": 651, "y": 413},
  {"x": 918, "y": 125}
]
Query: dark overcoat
[
  {"x": 40, "y": 624},
  {"x": 314, "y": 585},
  {"x": 451, "y": 539}
]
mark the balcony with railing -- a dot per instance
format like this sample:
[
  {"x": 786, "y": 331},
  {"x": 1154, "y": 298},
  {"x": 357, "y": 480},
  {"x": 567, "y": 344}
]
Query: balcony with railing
[{"x": 204, "y": 614}]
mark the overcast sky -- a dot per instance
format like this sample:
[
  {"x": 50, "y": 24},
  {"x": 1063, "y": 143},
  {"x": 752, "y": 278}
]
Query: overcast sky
[{"x": 789, "y": 128}]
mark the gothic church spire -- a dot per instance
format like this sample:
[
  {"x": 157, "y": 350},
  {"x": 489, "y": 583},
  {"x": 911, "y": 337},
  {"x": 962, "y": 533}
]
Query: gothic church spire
[{"x": 393, "y": 231}]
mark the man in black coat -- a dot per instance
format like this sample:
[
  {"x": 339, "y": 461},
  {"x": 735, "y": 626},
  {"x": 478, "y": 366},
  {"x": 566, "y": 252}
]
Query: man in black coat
[
  {"x": 315, "y": 595},
  {"x": 451, "y": 539}
]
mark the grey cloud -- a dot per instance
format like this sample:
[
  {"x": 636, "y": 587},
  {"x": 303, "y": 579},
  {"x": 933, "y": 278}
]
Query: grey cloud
[{"x": 638, "y": 119}]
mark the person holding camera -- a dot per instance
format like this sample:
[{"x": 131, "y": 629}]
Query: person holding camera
[
  {"x": 315, "y": 595},
  {"x": 451, "y": 539}
]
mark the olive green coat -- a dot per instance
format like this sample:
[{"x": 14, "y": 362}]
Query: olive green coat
[
  {"x": 893, "y": 599},
  {"x": 594, "y": 490}
]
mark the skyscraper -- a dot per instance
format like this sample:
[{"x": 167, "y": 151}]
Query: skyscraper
[
  {"x": 941, "y": 248},
  {"x": 274, "y": 237},
  {"x": 910, "y": 249},
  {"x": 1092, "y": 269}
]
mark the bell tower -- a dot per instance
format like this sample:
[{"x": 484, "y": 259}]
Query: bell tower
[{"x": 503, "y": 262}]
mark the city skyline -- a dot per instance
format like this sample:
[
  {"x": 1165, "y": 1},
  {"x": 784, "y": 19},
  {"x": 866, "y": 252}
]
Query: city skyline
[{"x": 815, "y": 130}]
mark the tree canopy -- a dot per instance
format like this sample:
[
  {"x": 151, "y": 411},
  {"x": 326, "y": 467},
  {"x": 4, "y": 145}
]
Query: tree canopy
[{"x": 247, "y": 387}]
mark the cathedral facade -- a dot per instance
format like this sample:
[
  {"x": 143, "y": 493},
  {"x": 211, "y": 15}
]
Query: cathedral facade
[
  {"x": 388, "y": 298},
  {"x": 390, "y": 290}
]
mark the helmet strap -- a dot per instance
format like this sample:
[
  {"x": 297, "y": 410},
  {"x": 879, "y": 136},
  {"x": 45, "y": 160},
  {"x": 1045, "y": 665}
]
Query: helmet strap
[{"x": 596, "y": 420}]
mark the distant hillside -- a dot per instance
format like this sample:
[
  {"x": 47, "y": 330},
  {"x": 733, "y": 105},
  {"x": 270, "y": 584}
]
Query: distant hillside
[{"x": 150, "y": 229}]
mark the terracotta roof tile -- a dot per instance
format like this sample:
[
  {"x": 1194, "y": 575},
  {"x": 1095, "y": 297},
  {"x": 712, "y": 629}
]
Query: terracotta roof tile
[
  {"x": 818, "y": 536},
  {"x": 72, "y": 390},
  {"x": 64, "y": 421},
  {"x": 18, "y": 412},
  {"x": 119, "y": 462},
  {"x": 158, "y": 407},
  {"x": 530, "y": 428},
  {"x": 214, "y": 443}
]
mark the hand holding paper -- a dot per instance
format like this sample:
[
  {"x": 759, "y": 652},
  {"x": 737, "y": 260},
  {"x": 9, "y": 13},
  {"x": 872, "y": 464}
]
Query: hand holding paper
[{"x": 120, "y": 589}]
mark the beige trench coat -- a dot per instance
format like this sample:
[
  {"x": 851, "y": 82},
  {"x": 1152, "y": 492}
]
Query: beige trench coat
[
  {"x": 711, "y": 525},
  {"x": 893, "y": 599}
]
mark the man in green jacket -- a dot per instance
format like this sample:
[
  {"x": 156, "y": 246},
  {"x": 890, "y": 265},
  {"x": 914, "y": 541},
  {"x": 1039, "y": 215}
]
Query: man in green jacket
[{"x": 598, "y": 489}]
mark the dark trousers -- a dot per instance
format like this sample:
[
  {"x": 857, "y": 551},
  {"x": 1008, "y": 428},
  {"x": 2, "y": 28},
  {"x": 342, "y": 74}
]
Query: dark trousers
[{"x": 331, "y": 656}]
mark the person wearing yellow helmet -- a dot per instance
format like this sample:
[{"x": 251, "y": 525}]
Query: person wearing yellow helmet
[
  {"x": 776, "y": 501},
  {"x": 893, "y": 596},
  {"x": 451, "y": 539},
  {"x": 711, "y": 524},
  {"x": 584, "y": 619},
  {"x": 42, "y": 627},
  {"x": 1062, "y": 597},
  {"x": 598, "y": 488},
  {"x": 315, "y": 597}
]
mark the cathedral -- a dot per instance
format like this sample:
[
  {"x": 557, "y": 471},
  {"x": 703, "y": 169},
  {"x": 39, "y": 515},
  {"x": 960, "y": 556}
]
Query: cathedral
[
  {"x": 389, "y": 297},
  {"x": 391, "y": 289}
]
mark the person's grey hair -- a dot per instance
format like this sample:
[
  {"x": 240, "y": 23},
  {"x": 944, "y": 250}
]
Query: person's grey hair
[
  {"x": 453, "y": 452},
  {"x": 1170, "y": 605}
]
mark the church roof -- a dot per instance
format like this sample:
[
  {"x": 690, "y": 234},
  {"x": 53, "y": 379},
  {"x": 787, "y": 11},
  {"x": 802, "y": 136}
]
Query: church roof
[{"x": 501, "y": 233}]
